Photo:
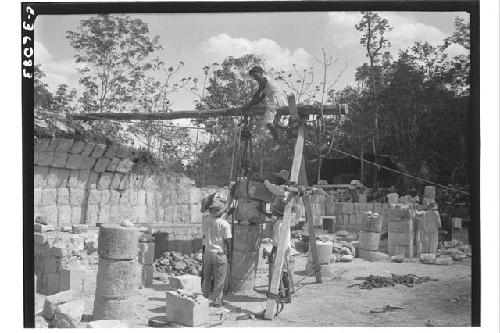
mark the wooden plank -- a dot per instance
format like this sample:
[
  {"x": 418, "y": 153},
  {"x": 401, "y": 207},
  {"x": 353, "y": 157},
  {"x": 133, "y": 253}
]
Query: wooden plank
[
  {"x": 285, "y": 225},
  {"x": 333, "y": 109},
  {"x": 312, "y": 237}
]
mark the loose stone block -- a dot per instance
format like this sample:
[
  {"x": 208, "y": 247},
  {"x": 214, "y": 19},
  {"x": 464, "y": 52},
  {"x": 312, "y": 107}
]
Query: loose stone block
[
  {"x": 373, "y": 255},
  {"x": 52, "y": 284},
  {"x": 69, "y": 315},
  {"x": 74, "y": 161},
  {"x": 59, "y": 160},
  {"x": 186, "y": 309},
  {"x": 116, "y": 278},
  {"x": 115, "y": 182},
  {"x": 147, "y": 276},
  {"x": 71, "y": 279},
  {"x": 63, "y": 196},
  {"x": 87, "y": 163},
  {"x": 430, "y": 192},
  {"x": 104, "y": 181},
  {"x": 44, "y": 158},
  {"x": 146, "y": 253},
  {"x": 189, "y": 283},
  {"x": 88, "y": 149},
  {"x": 101, "y": 164},
  {"x": 113, "y": 164},
  {"x": 397, "y": 259},
  {"x": 106, "y": 324},
  {"x": 79, "y": 229},
  {"x": 113, "y": 308},
  {"x": 98, "y": 150},
  {"x": 51, "y": 302},
  {"x": 443, "y": 260},
  {"x": 64, "y": 145},
  {"x": 78, "y": 147},
  {"x": 38, "y": 227},
  {"x": 116, "y": 242},
  {"x": 58, "y": 251},
  {"x": 124, "y": 166},
  {"x": 52, "y": 178},
  {"x": 76, "y": 215},
  {"x": 427, "y": 258}
]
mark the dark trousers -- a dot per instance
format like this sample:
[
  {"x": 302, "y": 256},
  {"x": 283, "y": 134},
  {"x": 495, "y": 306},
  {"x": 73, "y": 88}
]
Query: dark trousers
[{"x": 214, "y": 265}]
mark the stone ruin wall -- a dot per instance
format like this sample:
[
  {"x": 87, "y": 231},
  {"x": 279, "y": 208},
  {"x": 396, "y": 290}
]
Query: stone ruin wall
[
  {"x": 77, "y": 183},
  {"x": 85, "y": 183}
]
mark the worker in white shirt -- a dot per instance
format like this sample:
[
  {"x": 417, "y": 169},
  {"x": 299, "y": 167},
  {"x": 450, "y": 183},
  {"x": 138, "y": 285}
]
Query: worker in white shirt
[
  {"x": 217, "y": 236},
  {"x": 274, "y": 99}
]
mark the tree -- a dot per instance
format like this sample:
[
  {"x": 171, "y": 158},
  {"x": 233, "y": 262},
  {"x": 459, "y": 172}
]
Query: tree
[
  {"x": 113, "y": 51},
  {"x": 42, "y": 96},
  {"x": 373, "y": 39},
  {"x": 63, "y": 99}
]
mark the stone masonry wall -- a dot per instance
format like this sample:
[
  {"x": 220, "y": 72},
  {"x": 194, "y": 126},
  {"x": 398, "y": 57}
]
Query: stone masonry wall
[{"x": 76, "y": 182}]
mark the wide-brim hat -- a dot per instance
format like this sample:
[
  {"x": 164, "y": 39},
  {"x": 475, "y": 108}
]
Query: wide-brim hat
[
  {"x": 256, "y": 69},
  {"x": 216, "y": 209},
  {"x": 283, "y": 174},
  {"x": 412, "y": 190}
]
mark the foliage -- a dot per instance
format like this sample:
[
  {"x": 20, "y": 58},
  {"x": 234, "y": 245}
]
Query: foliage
[
  {"x": 113, "y": 51},
  {"x": 42, "y": 96},
  {"x": 63, "y": 99}
]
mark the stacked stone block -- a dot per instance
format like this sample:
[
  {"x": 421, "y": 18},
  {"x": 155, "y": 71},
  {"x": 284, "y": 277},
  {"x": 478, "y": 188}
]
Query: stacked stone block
[
  {"x": 401, "y": 231},
  {"x": 59, "y": 265},
  {"x": 349, "y": 216},
  {"x": 117, "y": 274},
  {"x": 369, "y": 236}
]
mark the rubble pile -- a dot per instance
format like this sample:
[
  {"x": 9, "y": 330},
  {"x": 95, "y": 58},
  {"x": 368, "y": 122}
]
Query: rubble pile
[{"x": 176, "y": 263}]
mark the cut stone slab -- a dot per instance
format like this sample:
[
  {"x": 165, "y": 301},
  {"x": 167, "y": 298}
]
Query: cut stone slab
[
  {"x": 113, "y": 308},
  {"x": 427, "y": 258},
  {"x": 88, "y": 149},
  {"x": 104, "y": 181},
  {"x": 373, "y": 255},
  {"x": 87, "y": 163},
  {"x": 69, "y": 315},
  {"x": 45, "y": 158},
  {"x": 116, "y": 150},
  {"x": 113, "y": 164},
  {"x": 346, "y": 258},
  {"x": 79, "y": 228},
  {"x": 64, "y": 145},
  {"x": 116, "y": 278},
  {"x": 43, "y": 227},
  {"x": 117, "y": 242},
  {"x": 106, "y": 324},
  {"x": 186, "y": 308},
  {"x": 71, "y": 279},
  {"x": 444, "y": 260},
  {"x": 189, "y": 283},
  {"x": 51, "y": 302},
  {"x": 398, "y": 258}
]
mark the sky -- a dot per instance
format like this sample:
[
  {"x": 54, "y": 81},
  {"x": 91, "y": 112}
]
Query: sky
[{"x": 282, "y": 39}]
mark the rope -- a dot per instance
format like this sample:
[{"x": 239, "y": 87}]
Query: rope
[{"x": 401, "y": 172}]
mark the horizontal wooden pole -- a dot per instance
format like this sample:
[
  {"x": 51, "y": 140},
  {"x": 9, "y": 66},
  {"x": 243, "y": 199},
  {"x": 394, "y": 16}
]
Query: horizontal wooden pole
[{"x": 228, "y": 112}]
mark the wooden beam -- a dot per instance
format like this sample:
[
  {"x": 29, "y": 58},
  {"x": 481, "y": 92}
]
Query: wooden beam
[
  {"x": 284, "y": 236},
  {"x": 197, "y": 114},
  {"x": 312, "y": 237}
]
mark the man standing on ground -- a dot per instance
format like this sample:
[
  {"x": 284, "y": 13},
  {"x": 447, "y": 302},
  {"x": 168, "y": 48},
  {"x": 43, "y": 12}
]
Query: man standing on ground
[
  {"x": 278, "y": 208},
  {"x": 269, "y": 92},
  {"x": 216, "y": 252}
]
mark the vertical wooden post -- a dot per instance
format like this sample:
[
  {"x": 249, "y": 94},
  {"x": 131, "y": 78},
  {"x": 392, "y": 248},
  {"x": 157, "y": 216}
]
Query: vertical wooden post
[
  {"x": 285, "y": 225},
  {"x": 312, "y": 238}
]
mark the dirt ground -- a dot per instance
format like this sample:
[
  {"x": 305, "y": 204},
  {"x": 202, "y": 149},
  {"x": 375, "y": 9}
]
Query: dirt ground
[{"x": 441, "y": 303}]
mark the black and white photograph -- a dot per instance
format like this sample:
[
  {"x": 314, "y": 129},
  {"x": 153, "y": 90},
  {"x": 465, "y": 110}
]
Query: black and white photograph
[{"x": 252, "y": 164}]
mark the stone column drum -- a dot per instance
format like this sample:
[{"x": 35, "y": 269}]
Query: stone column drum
[
  {"x": 118, "y": 272},
  {"x": 401, "y": 233},
  {"x": 369, "y": 236}
]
